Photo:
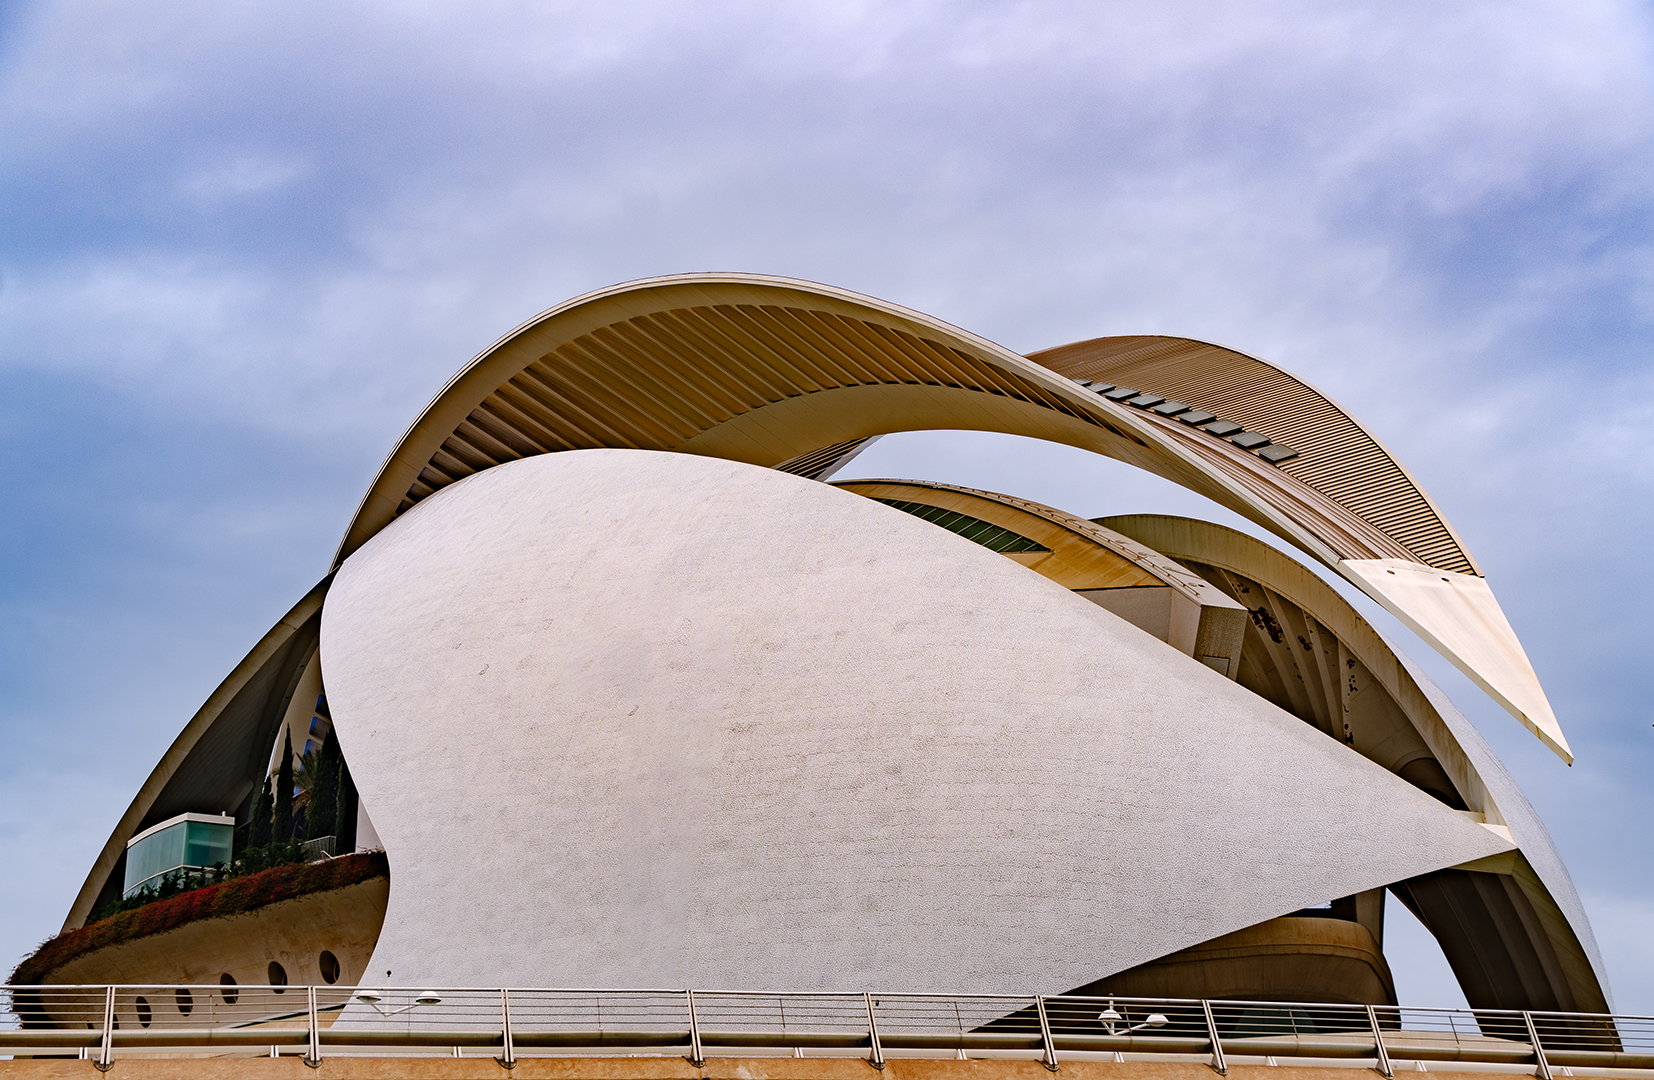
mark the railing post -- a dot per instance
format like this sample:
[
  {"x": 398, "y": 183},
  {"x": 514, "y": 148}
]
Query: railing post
[
  {"x": 1217, "y": 1045},
  {"x": 508, "y": 1056},
  {"x": 314, "y": 1057},
  {"x": 695, "y": 1057},
  {"x": 106, "y": 1050},
  {"x": 1045, "y": 1033},
  {"x": 876, "y": 1057},
  {"x": 1382, "y": 1054},
  {"x": 1544, "y": 1069}
]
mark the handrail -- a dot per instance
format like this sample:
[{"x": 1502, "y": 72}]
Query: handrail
[{"x": 314, "y": 1021}]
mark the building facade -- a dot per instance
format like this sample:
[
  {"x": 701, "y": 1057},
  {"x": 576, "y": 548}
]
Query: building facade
[{"x": 637, "y": 691}]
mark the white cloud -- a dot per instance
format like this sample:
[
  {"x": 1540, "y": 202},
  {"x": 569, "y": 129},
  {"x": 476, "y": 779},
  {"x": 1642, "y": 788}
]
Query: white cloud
[{"x": 242, "y": 175}]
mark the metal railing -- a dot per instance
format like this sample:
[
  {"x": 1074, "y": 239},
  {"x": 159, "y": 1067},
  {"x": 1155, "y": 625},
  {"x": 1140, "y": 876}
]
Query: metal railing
[
  {"x": 101, "y": 1022},
  {"x": 319, "y": 848}
]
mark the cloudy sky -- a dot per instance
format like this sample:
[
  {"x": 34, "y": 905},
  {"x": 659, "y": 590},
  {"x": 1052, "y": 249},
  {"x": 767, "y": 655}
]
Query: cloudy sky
[{"x": 242, "y": 244}]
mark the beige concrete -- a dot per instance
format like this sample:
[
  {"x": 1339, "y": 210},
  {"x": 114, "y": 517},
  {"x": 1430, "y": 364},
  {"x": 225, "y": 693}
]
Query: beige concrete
[
  {"x": 1134, "y": 581},
  {"x": 293, "y": 933},
  {"x": 1292, "y": 959}
]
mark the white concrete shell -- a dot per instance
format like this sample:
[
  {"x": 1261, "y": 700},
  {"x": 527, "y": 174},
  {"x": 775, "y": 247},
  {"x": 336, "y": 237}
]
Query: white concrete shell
[{"x": 634, "y": 718}]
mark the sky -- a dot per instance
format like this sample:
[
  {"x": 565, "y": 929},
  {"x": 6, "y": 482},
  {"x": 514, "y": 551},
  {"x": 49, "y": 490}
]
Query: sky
[{"x": 242, "y": 244}]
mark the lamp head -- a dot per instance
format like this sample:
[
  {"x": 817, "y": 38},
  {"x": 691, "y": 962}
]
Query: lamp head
[
  {"x": 1156, "y": 1020},
  {"x": 368, "y": 997},
  {"x": 1109, "y": 1015},
  {"x": 427, "y": 997}
]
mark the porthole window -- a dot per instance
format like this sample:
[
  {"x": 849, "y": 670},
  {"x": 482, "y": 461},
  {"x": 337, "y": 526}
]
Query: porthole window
[
  {"x": 186, "y": 1002},
  {"x": 278, "y": 977},
  {"x": 144, "y": 1015},
  {"x": 330, "y": 967},
  {"x": 227, "y": 981}
]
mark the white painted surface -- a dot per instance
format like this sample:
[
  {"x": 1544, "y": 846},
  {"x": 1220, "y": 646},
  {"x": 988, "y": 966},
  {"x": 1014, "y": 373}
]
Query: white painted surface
[
  {"x": 1460, "y": 618},
  {"x": 646, "y": 719}
]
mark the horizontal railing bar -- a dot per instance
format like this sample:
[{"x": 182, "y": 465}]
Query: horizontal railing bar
[
  {"x": 1287, "y": 1046},
  {"x": 573, "y": 1019}
]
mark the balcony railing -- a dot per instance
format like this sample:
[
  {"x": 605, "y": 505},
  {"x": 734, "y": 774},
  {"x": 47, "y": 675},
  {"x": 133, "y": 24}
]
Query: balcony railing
[
  {"x": 319, "y": 848},
  {"x": 103, "y": 1022}
]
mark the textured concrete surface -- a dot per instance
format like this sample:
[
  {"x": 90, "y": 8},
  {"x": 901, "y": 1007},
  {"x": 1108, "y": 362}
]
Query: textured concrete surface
[{"x": 645, "y": 719}]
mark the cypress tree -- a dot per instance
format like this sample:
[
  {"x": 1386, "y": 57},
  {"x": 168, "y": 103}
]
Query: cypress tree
[
  {"x": 322, "y": 814},
  {"x": 281, "y": 826},
  {"x": 258, "y": 830},
  {"x": 345, "y": 830}
]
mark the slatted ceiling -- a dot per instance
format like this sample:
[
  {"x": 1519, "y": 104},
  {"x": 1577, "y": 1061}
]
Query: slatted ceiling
[
  {"x": 773, "y": 376},
  {"x": 510, "y": 428},
  {"x": 756, "y": 382},
  {"x": 508, "y": 408},
  {"x": 1337, "y": 457},
  {"x": 538, "y": 386},
  {"x": 692, "y": 337},
  {"x": 779, "y": 333},
  {"x": 607, "y": 377},
  {"x": 816, "y": 462},
  {"x": 833, "y": 340},
  {"x": 657, "y": 380},
  {"x": 482, "y": 442},
  {"x": 698, "y": 385},
  {"x": 589, "y": 384},
  {"x": 842, "y": 334}
]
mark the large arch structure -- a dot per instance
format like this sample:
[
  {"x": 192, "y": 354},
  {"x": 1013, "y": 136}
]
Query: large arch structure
[
  {"x": 794, "y": 375},
  {"x": 797, "y": 377}
]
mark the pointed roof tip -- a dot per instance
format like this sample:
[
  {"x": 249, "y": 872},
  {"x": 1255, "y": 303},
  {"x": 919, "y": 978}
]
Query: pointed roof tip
[{"x": 1459, "y": 617}]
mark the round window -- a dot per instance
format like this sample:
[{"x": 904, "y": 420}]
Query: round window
[
  {"x": 186, "y": 1002},
  {"x": 144, "y": 1015},
  {"x": 330, "y": 967},
  {"x": 278, "y": 977},
  {"x": 227, "y": 981}
]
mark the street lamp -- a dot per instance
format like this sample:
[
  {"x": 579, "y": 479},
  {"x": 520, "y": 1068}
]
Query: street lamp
[
  {"x": 1111, "y": 1019},
  {"x": 372, "y": 998}
]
